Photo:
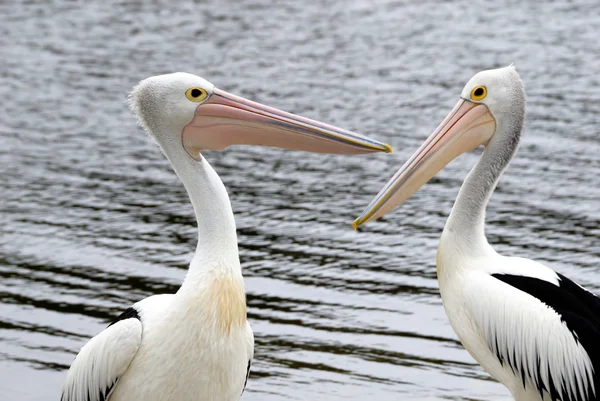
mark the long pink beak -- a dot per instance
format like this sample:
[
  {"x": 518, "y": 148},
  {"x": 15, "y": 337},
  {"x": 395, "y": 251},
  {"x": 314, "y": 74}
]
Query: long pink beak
[
  {"x": 468, "y": 126},
  {"x": 225, "y": 119}
]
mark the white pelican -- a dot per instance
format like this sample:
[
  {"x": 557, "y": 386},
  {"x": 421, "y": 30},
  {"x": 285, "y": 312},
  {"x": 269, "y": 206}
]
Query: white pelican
[
  {"x": 195, "y": 344},
  {"x": 532, "y": 329}
]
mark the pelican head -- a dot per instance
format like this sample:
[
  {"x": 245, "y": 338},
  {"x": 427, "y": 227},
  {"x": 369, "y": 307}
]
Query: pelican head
[
  {"x": 490, "y": 112},
  {"x": 185, "y": 111}
]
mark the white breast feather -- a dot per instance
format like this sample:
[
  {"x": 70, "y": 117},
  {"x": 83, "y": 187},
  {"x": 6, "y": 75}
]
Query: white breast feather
[{"x": 521, "y": 329}]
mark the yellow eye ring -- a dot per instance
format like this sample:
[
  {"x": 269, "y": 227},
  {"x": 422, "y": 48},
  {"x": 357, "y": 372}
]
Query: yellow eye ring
[
  {"x": 196, "y": 94},
  {"x": 479, "y": 93}
]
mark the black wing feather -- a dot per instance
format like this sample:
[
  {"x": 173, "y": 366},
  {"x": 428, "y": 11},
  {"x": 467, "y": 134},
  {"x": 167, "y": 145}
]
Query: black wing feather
[
  {"x": 247, "y": 374},
  {"x": 578, "y": 308},
  {"x": 128, "y": 314}
]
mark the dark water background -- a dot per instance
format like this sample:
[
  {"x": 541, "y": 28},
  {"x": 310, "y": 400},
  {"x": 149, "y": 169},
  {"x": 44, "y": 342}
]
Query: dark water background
[{"x": 94, "y": 219}]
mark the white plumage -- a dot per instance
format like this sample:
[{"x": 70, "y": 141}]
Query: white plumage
[
  {"x": 531, "y": 328},
  {"x": 498, "y": 322},
  {"x": 195, "y": 345},
  {"x": 102, "y": 361}
]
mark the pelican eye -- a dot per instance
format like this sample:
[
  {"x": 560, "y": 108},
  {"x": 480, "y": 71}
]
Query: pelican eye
[
  {"x": 479, "y": 93},
  {"x": 196, "y": 94}
]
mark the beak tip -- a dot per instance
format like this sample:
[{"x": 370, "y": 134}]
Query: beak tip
[
  {"x": 355, "y": 224},
  {"x": 388, "y": 148}
]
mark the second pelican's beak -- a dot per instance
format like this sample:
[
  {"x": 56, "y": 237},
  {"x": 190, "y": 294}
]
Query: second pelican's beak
[
  {"x": 225, "y": 119},
  {"x": 468, "y": 126}
]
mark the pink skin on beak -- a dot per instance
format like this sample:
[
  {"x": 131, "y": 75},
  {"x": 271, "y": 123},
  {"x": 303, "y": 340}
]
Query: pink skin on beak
[
  {"x": 468, "y": 126},
  {"x": 225, "y": 119}
]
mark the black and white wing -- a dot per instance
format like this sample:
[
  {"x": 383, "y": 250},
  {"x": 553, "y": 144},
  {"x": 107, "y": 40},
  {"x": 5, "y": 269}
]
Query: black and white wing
[
  {"x": 546, "y": 330},
  {"x": 99, "y": 364}
]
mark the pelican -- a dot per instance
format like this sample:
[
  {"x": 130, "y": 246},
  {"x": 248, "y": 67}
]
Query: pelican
[
  {"x": 195, "y": 344},
  {"x": 532, "y": 329}
]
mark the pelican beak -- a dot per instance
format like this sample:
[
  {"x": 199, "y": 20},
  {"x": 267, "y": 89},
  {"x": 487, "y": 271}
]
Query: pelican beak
[
  {"x": 468, "y": 126},
  {"x": 225, "y": 119}
]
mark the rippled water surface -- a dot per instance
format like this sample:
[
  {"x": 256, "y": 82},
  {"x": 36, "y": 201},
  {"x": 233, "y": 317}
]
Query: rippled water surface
[{"x": 94, "y": 219}]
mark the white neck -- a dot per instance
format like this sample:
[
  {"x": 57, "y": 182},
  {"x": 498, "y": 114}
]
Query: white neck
[
  {"x": 464, "y": 230},
  {"x": 217, "y": 248}
]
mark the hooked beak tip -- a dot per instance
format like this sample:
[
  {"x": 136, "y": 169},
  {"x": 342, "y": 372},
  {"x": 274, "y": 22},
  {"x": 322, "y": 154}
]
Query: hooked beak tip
[
  {"x": 388, "y": 148},
  {"x": 355, "y": 224}
]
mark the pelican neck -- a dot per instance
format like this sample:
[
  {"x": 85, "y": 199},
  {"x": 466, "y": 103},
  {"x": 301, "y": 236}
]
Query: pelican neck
[
  {"x": 217, "y": 247},
  {"x": 466, "y": 223}
]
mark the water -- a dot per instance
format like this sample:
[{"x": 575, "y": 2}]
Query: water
[{"x": 94, "y": 219}]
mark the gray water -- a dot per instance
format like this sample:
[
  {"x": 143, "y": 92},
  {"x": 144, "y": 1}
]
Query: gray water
[{"x": 94, "y": 219}]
